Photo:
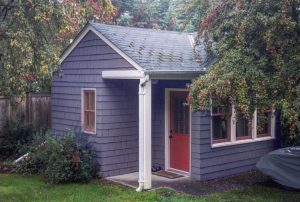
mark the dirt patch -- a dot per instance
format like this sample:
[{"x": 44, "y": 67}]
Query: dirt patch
[
  {"x": 6, "y": 169},
  {"x": 222, "y": 184}
]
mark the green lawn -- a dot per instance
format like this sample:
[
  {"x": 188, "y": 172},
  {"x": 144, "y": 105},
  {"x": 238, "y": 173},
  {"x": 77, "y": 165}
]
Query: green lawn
[{"x": 32, "y": 188}]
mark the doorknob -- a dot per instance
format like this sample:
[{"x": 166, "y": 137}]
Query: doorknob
[{"x": 170, "y": 136}]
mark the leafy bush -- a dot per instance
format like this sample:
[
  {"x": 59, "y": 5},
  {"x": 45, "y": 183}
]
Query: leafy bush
[
  {"x": 60, "y": 159},
  {"x": 16, "y": 136}
]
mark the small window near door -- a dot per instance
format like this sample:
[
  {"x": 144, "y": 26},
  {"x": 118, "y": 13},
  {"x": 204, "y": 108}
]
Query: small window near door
[
  {"x": 181, "y": 115},
  {"x": 89, "y": 112},
  {"x": 220, "y": 125},
  {"x": 264, "y": 123},
  {"x": 243, "y": 129}
]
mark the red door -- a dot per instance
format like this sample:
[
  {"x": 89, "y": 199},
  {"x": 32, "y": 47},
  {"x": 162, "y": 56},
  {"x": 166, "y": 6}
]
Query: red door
[{"x": 179, "y": 131}]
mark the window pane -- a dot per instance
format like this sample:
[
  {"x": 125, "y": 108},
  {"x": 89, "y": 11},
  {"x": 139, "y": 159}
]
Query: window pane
[
  {"x": 219, "y": 128},
  {"x": 243, "y": 128},
  {"x": 86, "y": 99},
  {"x": 92, "y": 121},
  {"x": 86, "y": 120},
  {"x": 92, "y": 100},
  {"x": 181, "y": 116},
  {"x": 264, "y": 124},
  {"x": 176, "y": 116},
  {"x": 187, "y": 119}
]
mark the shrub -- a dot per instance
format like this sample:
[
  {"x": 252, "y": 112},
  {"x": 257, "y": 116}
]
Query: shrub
[
  {"x": 60, "y": 159},
  {"x": 16, "y": 136}
]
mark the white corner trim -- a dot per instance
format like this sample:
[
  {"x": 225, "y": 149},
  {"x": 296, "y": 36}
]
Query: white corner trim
[
  {"x": 102, "y": 37},
  {"x": 273, "y": 123},
  {"x": 82, "y": 110},
  {"x": 192, "y": 41},
  {"x": 122, "y": 74}
]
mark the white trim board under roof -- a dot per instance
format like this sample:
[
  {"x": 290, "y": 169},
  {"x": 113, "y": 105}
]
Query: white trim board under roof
[
  {"x": 122, "y": 74},
  {"x": 135, "y": 74}
]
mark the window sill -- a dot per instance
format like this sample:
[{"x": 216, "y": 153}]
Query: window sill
[
  {"x": 224, "y": 144},
  {"x": 89, "y": 132}
]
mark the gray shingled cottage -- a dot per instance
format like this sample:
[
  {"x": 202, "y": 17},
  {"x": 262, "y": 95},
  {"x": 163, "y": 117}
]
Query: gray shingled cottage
[{"x": 125, "y": 88}]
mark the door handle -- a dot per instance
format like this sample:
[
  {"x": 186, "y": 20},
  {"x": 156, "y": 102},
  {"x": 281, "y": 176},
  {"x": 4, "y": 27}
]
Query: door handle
[{"x": 171, "y": 136}]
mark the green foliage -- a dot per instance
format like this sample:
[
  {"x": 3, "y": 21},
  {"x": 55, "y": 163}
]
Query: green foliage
[
  {"x": 157, "y": 14},
  {"x": 60, "y": 159},
  {"x": 125, "y": 19},
  {"x": 257, "y": 49},
  {"x": 33, "y": 35},
  {"x": 15, "y": 137}
]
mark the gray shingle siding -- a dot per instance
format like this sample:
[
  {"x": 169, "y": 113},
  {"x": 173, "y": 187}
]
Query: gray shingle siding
[
  {"x": 117, "y": 101},
  {"x": 210, "y": 163}
]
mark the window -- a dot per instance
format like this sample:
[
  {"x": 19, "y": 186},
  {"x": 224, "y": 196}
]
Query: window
[
  {"x": 220, "y": 125},
  {"x": 181, "y": 115},
  {"x": 89, "y": 112},
  {"x": 227, "y": 129},
  {"x": 264, "y": 122}
]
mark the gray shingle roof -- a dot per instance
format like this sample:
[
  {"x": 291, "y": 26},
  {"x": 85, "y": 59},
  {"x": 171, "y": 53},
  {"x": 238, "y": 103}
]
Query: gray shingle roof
[{"x": 155, "y": 50}]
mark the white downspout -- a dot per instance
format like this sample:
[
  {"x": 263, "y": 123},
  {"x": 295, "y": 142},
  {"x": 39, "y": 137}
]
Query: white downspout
[{"x": 143, "y": 81}]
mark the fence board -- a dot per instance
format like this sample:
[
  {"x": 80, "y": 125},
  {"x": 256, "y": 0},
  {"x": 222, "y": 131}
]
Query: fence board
[{"x": 35, "y": 109}]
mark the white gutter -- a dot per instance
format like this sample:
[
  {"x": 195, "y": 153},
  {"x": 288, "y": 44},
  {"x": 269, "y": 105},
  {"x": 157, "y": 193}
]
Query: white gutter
[
  {"x": 176, "y": 72},
  {"x": 143, "y": 81}
]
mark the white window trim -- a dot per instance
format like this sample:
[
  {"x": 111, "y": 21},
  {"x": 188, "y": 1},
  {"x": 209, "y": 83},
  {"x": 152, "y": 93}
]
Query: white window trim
[
  {"x": 254, "y": 138},
  {"x": 82, "y": 110}
]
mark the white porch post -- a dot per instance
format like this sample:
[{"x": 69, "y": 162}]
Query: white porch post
[{"x": 145, "y": 134}]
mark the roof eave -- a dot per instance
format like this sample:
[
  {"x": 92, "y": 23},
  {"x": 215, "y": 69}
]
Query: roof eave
[{"x": 174, "y": 74}]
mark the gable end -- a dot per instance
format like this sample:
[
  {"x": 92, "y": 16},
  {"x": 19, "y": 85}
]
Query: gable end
[{"x": 83, "y": 33}]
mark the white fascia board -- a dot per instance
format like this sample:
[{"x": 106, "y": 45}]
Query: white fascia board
[
  {"x": 115, "y": 48},
  {"x": 174, "y": 75},
  {"x": 103, "y": 38},
  {"x": 74, "y": 43},
  {"x": 122, "y": 74}
]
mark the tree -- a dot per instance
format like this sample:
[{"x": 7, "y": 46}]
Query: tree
[
  {"x": 125, "y": 19},
  {"x": 257, "y": 50},
  {"x": 157, "y": 14},
  {"x": 33, "y": 34}
]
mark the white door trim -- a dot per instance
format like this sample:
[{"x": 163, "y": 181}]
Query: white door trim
[{"x": 167, "y": 129}]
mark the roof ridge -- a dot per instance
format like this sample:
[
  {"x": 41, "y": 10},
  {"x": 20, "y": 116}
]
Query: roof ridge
[{"x": 139, "y": 28}]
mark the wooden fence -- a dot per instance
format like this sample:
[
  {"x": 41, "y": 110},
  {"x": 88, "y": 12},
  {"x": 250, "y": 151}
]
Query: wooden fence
[{"x": 34, "y": 109}]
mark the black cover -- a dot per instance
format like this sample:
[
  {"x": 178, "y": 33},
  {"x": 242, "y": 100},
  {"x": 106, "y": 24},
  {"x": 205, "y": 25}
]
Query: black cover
[{"x": 283, "y": 166}]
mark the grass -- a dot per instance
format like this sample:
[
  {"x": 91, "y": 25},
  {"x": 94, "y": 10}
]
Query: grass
[{"x": 15, "y": 187}]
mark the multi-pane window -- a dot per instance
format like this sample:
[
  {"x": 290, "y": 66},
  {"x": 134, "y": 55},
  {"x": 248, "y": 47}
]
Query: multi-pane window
[
  {"x": 227, "y": 128},
  {"x": 264, "y": 123},
  {"x": 89, "y": 112},
  {"x": 220, "y": 126},
  {"x": 181, "y": 115}
]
